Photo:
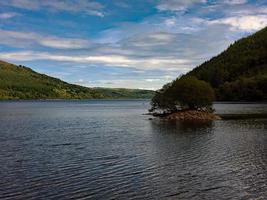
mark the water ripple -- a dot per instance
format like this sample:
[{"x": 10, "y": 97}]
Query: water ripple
[{"x": 112, "y": 152}]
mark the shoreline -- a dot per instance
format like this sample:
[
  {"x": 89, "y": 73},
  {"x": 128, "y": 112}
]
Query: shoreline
[
  {"x": 194, "y": 115},
  {"x": 188, "y": 115}
]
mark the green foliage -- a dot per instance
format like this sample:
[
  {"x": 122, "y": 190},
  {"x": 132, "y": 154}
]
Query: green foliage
[
  {"x": 248, "y": 89},
  {"x": 122, "y": 93},
  {"x": 163, "y": 100},
  {"x": 186, "y": 93},
  {"x": 239, "y": 73},
  {"x": 19, "y": 82},
  {"x": 192, "y": 93}
]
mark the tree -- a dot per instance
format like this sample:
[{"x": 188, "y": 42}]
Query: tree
[
  {"x": 192, "y": 93},
  {"x": 186, "y": 92},
  {"x": 163, "y": 100}
]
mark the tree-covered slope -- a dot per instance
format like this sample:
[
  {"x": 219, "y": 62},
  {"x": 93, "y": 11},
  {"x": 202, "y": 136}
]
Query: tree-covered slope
[
  {"x": 240, "y": 72},
  {"x": 123, "y": 93},
  {"x": 19, "y": 82}
]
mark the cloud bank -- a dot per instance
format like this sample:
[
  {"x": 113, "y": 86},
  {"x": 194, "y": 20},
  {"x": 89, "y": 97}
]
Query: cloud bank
[{"x": 75, "y": 6}]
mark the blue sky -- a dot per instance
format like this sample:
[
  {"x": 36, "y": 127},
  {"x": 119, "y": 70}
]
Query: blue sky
[{"x": 122, "y": 43}]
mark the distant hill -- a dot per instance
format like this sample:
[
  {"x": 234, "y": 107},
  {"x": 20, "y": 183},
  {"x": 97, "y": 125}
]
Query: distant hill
[
  {"x": 240, "y": 72},
  {"x": 20, "y": 82}
]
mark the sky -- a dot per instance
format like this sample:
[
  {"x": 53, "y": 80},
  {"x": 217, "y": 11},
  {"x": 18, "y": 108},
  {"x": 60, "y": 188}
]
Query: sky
[{"x": 122, "y": 43}]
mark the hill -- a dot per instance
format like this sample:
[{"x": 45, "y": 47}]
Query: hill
[
  {"x": 240, "y": 72},
  {"x": 20, "y": 82},
  {"x": 237, "y": 74}
]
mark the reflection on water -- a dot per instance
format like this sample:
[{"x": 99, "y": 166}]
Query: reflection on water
[
  {"x": 240, "y": 108},
  {"x": 181, "y": 127},
  {"x": 109, "y": 150}
]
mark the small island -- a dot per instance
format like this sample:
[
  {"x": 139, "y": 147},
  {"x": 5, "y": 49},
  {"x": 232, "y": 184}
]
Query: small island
[{"x": 185, "y": 99}]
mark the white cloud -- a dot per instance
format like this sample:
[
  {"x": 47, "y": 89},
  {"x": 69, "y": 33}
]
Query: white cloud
[
  {"x": 8, "y": 15},
  {"x": 170, "y": 22},
  {"x": 150, "y": 80},
  {"x": 27, "y": 39},
  {"x": 177, "y": 5},
  {"x": 125, "y": 83},
  {"x": 160, "y": 50},
  {"x": 61, "y": 43},
  {"x": 76, "y": 6},
  {"x": 150, "y": 39},
  {"x": 262, "y": 10},
  {"x": 106, "y": 60},
  {"x": 244, "y": 23},
  {"x": 161, "y": 37},
  {"x": 235, "y": 2}
]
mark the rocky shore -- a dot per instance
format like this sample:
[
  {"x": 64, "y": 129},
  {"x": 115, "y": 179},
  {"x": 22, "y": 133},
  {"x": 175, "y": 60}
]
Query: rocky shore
[{"x": 190, "y": 115}]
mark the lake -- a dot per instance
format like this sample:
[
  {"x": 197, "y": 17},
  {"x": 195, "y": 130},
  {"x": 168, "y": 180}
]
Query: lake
[{"x": 110, "y": 150}]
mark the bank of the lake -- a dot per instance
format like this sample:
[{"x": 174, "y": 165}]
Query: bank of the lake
[{"x": 189, "y": 115}]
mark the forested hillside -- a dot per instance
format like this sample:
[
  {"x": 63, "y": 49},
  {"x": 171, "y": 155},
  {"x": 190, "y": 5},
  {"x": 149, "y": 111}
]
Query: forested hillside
[
  {"x": 237, "y": 74},
  {"x": 19, "y": 82},
  {"x": 240, "y": 72}
]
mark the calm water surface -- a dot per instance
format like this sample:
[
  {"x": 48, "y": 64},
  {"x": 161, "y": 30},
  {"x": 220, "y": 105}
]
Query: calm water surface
[{"x": 109, "y": 150}]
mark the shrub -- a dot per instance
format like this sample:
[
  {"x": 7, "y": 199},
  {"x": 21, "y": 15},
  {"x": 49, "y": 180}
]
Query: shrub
[{"x": 186, "y": 93}]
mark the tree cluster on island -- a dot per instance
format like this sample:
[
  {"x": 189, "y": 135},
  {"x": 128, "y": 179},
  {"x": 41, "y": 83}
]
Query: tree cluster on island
[{"x": 185, "y": 93}]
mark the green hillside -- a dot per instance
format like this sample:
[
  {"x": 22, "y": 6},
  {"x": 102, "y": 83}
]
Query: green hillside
[
  {"x": 19, "y": 82},
  {"x": 122, "y": 93},
  {"x": 240, "y": 72},
  {"x": 237, "y": 74}
]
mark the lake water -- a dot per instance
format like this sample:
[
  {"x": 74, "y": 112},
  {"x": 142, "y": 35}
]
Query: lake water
[{"x": 109, "y": 150}]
